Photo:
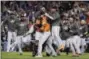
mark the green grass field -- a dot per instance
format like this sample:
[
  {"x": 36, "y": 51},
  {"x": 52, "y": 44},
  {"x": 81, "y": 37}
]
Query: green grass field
[{"x": 28, "y": 55}]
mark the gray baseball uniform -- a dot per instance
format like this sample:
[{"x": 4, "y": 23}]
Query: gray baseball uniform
[
  {"x": 11, "y": 24},
  {"x": 56, "y": 27},
  {"x": 22, "y": 28},
  {"x": 55, "y": 37}
]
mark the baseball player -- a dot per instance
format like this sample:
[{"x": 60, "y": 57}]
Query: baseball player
[
  {"x": 55, "y": 17},
  {"x": 69, "y": 33},
  {"x": 64, "y": 35},
  {"x": 22, "y": 28},
  {"x": 74, "y": 40},
  {"x": 26, "y": 39},
  {"x": 10, "y": 22},
  {"x": 45, "y": 29},
  {"x": 37, "y": 33}
]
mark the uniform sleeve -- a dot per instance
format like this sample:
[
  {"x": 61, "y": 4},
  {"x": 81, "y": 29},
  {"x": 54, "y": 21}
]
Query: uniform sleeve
[
  {"x": 53, "y": 16},
  {"x": 56, "y": 16}
]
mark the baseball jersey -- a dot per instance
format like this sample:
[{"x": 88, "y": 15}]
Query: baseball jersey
[
  {"x": 73, "y": 29},
  {"x": 69, "y": 30},
  {"x": 56, "y": 18},
  {"x": 22, "y": 28},
  {"x": 65, "y": 33},
  {"x": 11, "y": 23},
  {"x": 45, "y": 28}
]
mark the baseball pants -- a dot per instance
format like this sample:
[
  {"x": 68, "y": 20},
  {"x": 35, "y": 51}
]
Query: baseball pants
[
  {"x": 11, "y": 35},
  {"x": 18, "y": 43},
  {"x": 54, "y": 39},
  {"x": 42, "y": 38},
  {"x": 83, "y": 44},
  {"x": 26, "y": 40},
  {"x": 56, "y": 36},
  {"x": 75, "y": 44},
  {"x": 49, "y": 48}
]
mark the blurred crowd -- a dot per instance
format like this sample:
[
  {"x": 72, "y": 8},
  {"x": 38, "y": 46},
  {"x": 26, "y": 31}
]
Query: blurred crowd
[
  {"x": 73, "y": 15},
  {"x": 75, "y": 10}
]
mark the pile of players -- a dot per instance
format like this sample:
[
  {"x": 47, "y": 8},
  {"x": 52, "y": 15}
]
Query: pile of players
[{"x": 58, "y": 32}]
